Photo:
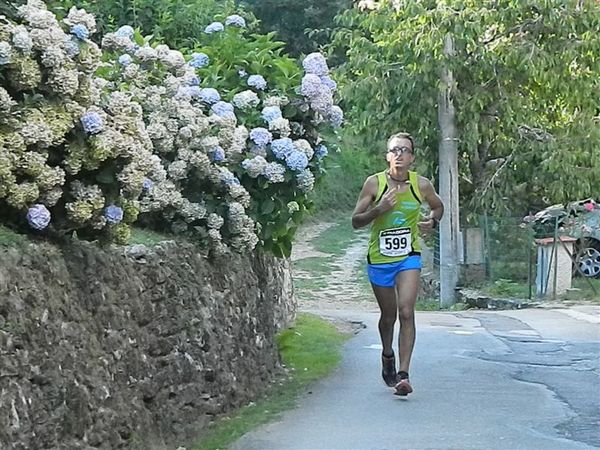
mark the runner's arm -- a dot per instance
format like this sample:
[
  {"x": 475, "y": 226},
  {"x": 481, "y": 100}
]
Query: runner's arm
[
  {"x": 433, "y": 200},
  {"x": 363, "y": 214}
]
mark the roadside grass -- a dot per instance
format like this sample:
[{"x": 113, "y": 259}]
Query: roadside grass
[
  {"x": 507, "y": 288},
  {"x": 148, "y": 238},
  {"x": 583, "y": 290},
  {"x": 336, "y": 239},
  {"x": 311, "y": 349},
  {"x": 9, "y": 238},
  {"x": 315, "y": 265},
  {"x": 310, "y": 284}
]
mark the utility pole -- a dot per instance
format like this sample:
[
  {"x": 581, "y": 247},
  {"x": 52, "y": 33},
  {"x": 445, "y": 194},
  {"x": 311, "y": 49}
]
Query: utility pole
[{"x": 448, "y": 176}]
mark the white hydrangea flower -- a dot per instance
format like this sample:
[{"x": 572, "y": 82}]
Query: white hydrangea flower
[
  {"x": 173, "y": 59},
  {"x": 123, "y": 44},
  {"x": 6, "y": 101},
  {"x": 279, "y": 101},
  {"x": 146, "y": 54},
  {"x": 5, "y": 53},
  {"x": 192, "y": 211},
  {"x": 246, "y": 100},
  {"x": 280, "y": 126},
  {"x": 215, "y": 221},
  {"x": 178, "y": 170},
  {"x": 81, "y": 17},
  {"x": 21, "y": 40}
]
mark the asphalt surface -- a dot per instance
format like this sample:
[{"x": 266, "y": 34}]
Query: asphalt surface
[{"x": 527, "y": 379}]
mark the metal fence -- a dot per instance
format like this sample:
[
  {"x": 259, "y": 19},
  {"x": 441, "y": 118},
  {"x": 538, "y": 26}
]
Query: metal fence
[
  {"x": 541, "y": 258},
  {"x": 511, "y": 256},
  {"x": 508, "y": 248}
]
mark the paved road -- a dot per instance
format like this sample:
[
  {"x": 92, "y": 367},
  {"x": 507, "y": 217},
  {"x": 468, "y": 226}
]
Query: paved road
[{"x": 526, "y": 379}]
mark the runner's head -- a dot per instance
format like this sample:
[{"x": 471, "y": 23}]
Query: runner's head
[{"x": 400, "y": 150}]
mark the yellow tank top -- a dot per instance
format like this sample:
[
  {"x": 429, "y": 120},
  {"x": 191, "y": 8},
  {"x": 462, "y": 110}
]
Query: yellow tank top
[{"x": 394, "y": 235}]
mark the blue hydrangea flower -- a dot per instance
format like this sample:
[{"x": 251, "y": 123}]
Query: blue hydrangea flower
[
  {"x": 261, "y": 136},
  {"x": 336, "y": 116},
  {"x": 199, "y": 60},
  {"x": 192, "y": 91},
  {"x": 147, "y": 184},
  {"x": 80, "y": 31},
  {"x": 125, "y": 31},
  {"x": 72, "y": 48},
  {"x": 296, "y": 160},
  {"x": 271, "y": 113},
  {"x": 217, "y": 154},
  {"x": 209, "y": 95},
  {"x": 227, "y": 177},
  {"x": 311, "y": 85},
  {"x": 236, "y": 21},
  {"x": 193, "y": 81},
  {"x": 321, "y": 151},
  {"x": 214, "y": 27},
  {"x": 38, "y": 217},
  {"x": 92, "y": 122},
  {"x": 113, "y": 214},
  {"x": 125, "y": 60},
  {"x": 274, "y": 172},
  {"x": 327, "y": 81},
  {"x": 223, "y": 109},
  {"x": 257, "y": 82},
  {"x": 281, "y": 148},
  {"x": 242, "y": 73},
  {"x": 316, "y": 64}
]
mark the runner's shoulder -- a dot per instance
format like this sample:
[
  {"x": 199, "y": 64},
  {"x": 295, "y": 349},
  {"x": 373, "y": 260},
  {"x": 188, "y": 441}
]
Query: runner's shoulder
[
  {"x": 372, "y": 182},
  {"x": 424, "y": 182}
]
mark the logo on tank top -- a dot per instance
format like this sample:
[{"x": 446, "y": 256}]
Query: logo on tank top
[{"x": 398, "y": 218}]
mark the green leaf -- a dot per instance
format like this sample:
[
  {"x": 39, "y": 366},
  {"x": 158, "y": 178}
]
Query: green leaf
[{"x": 267, "y": 206}]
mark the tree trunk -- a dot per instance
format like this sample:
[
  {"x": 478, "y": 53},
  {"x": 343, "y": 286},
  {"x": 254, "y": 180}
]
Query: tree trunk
[{"x": 448, "y": 167}]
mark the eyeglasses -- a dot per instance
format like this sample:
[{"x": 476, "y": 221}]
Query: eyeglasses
[{"x": 400, "y": 150}]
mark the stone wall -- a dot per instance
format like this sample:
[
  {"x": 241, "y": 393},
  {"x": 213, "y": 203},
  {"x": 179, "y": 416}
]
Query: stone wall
[{"x": 134, "y": 347}]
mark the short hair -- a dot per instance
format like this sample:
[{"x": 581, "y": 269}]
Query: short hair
[{"x": 403, "y": 135}]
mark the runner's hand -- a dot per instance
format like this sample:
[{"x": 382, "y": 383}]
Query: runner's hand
[
  {"x": 426, "y": 226},
  {"x": 388, "y": 201}
]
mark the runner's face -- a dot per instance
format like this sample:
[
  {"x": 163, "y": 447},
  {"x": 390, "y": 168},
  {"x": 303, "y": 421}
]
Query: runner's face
[{"x": 400, "y": 153}]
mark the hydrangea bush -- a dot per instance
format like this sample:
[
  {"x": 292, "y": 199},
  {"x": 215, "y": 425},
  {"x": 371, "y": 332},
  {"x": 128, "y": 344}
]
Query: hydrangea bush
[
  {"x": 286, "y": 108},
  {"x": 67, "y": 153},
  {"x": 222, "y": 143}
]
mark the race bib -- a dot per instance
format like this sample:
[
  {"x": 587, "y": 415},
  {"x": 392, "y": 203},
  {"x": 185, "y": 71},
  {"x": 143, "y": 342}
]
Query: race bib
[{"x": 395, "y": 242}]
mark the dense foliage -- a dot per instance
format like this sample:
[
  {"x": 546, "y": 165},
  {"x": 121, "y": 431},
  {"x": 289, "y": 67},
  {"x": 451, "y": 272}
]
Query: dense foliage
[
  {"x": 304, "y": 26},
  {"x": 177, "y": 23},
  {"x": 222, "y": 142},
  {"x": 525, "y": 73}
]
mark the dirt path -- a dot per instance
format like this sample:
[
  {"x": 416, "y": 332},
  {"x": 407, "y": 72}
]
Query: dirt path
[{"x": 344, "y": 286}]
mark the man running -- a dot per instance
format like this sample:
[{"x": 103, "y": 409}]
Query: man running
[{"x": 391, "y": 200}]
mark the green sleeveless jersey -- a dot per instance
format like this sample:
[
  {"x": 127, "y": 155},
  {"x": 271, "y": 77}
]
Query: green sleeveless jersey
[{"x": 394, "y": 234}]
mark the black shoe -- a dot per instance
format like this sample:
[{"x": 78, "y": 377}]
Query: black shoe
[{"x": 388, "y": 370}]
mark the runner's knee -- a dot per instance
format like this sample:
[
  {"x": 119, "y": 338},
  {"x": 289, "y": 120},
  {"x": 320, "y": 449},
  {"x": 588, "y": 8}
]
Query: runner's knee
[{"x": 406, "y": 313}]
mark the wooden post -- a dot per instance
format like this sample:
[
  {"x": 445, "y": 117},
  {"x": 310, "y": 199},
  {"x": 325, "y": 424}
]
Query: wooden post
[{"x": 448, "y": 176}]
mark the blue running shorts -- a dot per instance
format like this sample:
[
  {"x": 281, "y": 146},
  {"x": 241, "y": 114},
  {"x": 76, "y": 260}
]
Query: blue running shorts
[{"x": 384, "y": 275}]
